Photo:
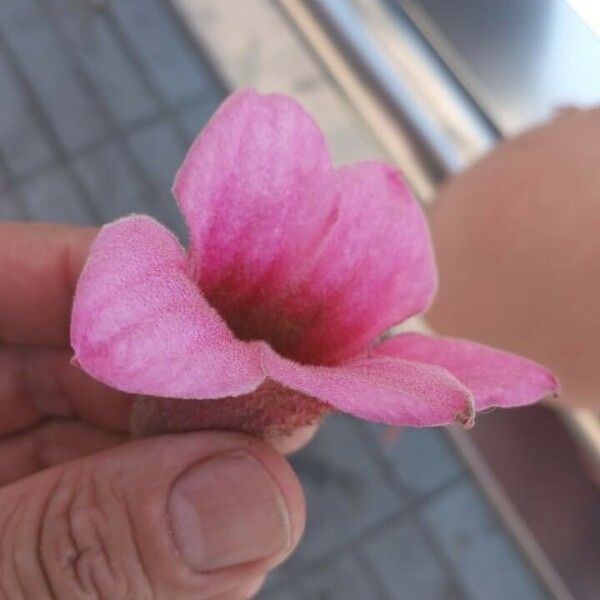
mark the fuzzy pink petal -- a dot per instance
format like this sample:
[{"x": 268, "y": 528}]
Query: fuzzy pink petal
[
  {"x": 374, "y": 269},
  {"x": 254, "y": 192},
  {"x": 380, "y": 389},
  {"x": 315, "y": 261},
  {"x": 140, "y": 324},
  {"x": 496, "y": 378}
]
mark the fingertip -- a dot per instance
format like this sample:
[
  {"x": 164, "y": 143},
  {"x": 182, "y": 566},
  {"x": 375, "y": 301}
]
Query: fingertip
[
  {"x": 292, "y": 442},
  {"x": 289, "y": 485},
  {"x": 40, "y": 265}
]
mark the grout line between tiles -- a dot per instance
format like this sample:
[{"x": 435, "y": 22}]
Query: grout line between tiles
[
  {"x": 115, "y": 131},
  {"x": 53, "y": 137},
  {"x": 367, "y": 533},
  {"x": 401, "y": 489}
]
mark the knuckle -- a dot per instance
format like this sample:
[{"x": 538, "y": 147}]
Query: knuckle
[
  {"x": 85, "y": 546},
  {"x": 11, "y": 565},
  {"x": 80, "y": 537}
]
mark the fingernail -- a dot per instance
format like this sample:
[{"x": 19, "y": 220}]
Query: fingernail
[{"x": 227, "y": 511}]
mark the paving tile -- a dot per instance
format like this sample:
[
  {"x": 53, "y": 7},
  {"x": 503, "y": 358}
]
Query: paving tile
[
  {"x": 421, "y": 459},
  {"x": 196, "y": 116},
  {"x": 22, "y": 143},
  {"x": 113, "y": 187},
  {"x": 160, "y": 153},
  {"x": 53, "y": 197},
  {"x": 4, "y": 181},
  {"x": 171, "y": 61},
  {"x": 16, "y": 12},
  {"x": 345, "y": 490},
  {"x": 69, "y": 107},
  {"x": 105, "y": 62},
  {"x": 342, "y": 578},
  {"x": 474, "y": 541},
  {"x": 407, "y": 566},
  {"x": 289, "y": 594},
  {"x": 11, "y": 208}
]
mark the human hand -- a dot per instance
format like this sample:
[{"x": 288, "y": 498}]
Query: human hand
[
  {"x": 519, "y": 252},
  {"x": 84, "y": 513}
]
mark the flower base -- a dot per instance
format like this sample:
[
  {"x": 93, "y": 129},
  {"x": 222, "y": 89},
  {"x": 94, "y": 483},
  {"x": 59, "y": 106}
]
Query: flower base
[{"x": 269, "y": 411}]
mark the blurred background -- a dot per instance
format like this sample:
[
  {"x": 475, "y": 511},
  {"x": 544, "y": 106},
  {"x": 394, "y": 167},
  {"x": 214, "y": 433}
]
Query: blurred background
[{"x": 99, "y": 100}]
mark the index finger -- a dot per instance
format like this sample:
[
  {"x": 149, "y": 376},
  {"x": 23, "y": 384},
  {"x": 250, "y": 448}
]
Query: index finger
[{"x": 39, "y": 267}]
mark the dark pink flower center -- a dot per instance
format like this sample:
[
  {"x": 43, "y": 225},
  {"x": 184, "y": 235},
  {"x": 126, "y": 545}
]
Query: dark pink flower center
[{"x": 283, "y": 331}]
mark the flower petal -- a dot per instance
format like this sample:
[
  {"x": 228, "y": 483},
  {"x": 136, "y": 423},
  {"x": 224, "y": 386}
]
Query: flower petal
[
  {"x": 380, "y": 389},
  {"x": 496, "y": 378},
  {"x": 315, "y": 261},
  {"x": 140, "y": 324},
  {"x": 374, "y": 269},
  {"x": 254, "y": 192}
]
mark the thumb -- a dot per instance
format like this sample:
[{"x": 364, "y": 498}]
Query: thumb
[{"x": 188, "y": 516}]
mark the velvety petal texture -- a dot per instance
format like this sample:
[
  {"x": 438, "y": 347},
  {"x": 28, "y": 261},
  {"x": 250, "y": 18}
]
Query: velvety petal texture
[
  {"x": 314, "y": 260},
  {"x": 374, "y": 269},
  {"x": 141, "y": 325},
  {"x": 379, "y": 389},
  {"x": 496, "y": 378},
  {"x": 254, "y": 191}
]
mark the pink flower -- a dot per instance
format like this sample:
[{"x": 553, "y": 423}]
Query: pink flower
[{"x": 294, "y": 270}]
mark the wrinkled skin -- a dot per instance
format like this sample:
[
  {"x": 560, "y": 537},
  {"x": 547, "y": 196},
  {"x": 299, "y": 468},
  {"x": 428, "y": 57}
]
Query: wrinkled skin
[
  {"x": 84, "y": 511},
  {"x": 518, "y": 247}
]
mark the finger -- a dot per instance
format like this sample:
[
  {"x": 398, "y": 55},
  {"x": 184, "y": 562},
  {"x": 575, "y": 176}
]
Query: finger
[
  {"x": 39, "y": 383},
  {"x": 36, "y": 384},
  {"x": 39, "y": 267},
  {"x": 245, "y": 592},
  {"x": 292, "y": 442},
  {"x": 182, "y": 516},
  {"x": 253, "y": 588},
  {"x": 50, "y": 444}
]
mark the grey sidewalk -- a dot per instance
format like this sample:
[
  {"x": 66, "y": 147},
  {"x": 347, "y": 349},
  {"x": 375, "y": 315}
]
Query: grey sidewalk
[{"x": 97, "y": 108}]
